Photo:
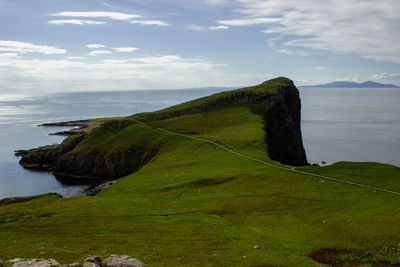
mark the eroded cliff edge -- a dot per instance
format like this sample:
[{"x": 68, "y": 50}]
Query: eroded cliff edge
[{"x": 107, "y": 152}]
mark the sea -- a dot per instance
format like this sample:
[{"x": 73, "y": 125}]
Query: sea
[{"x": 338, "y": 124}]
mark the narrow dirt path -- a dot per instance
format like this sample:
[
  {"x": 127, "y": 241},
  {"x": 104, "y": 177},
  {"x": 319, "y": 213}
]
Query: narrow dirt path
[{"x": 287, "y": 168}]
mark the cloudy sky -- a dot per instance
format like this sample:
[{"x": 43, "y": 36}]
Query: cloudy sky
[{"x": 71, "y": 45}]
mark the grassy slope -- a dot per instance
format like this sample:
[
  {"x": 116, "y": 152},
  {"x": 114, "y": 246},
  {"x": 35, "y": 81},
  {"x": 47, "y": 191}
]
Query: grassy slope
[{"x": 195, "y": 204}]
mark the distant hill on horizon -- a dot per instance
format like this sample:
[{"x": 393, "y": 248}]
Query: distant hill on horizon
[{"x": 345, "y": 84}]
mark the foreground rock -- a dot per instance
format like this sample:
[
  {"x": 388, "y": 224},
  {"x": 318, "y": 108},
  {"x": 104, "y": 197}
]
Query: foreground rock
[
  {"x": 35, "y": 263},
  {"x": 75, "y": 264},
  {"x": 91, "y": 261},
  {"x": 119, "y": 261}
]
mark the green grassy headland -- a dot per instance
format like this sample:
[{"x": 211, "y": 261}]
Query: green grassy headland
[{"x": 195, "y": 204}]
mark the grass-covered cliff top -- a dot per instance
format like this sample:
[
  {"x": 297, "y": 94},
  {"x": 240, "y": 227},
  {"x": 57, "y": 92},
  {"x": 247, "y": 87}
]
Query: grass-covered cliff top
[
  {"x": 197, "y": 204},
  {"x": 267, "y": 87}
]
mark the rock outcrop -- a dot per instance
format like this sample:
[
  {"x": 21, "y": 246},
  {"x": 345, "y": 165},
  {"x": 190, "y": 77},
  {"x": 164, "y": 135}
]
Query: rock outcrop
[
  {"x": 75, "y": 264},
  {"x": 279, "y": 107},
  {"x": 117, "y": 261},
  {"x": 35, "y": 263},
  {"x": 91, "y": 261}
]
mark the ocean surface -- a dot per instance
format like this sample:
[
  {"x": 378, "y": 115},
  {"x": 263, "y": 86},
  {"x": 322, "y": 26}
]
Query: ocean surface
[{"x": 351, "y": 124}]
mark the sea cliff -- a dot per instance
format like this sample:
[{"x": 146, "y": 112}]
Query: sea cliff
[{"x": 107, "y": 152}]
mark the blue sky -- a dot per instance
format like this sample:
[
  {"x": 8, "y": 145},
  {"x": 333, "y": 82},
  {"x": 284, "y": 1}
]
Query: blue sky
[{"x": 71, "y": 45}]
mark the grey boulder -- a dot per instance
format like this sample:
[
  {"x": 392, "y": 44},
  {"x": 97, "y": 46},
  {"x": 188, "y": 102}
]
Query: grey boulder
[
  {"x": 2, "y": 264},
  {"x": 122, "y": 261},
  {"x": 35, "y": 263},
  {"x": 92, "y": 261},
  {"x": 75, "y": 264}
]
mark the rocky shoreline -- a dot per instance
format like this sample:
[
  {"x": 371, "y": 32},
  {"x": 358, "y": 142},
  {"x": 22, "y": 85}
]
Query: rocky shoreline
[
  {"x": 78, "y": 126},
  {"x": 98, "y": 154},
  {"x": 92, "y": 261}
]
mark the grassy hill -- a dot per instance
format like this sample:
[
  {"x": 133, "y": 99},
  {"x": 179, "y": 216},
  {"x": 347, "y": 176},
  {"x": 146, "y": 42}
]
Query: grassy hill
[{"x": 193, "y": 203}]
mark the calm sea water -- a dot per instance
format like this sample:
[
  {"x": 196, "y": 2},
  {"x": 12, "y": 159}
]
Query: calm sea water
[{"x": 337, "y": 124}]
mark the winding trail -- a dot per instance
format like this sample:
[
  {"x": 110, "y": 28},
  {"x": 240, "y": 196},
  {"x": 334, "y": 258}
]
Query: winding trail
[{"x": 288, "y": 168}]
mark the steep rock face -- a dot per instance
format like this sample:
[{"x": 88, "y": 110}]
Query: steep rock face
[
  {"x": 280, "y": 109},
  {"x": 282, "y": 130},
  {"x": 73, "y": 165},
  {"x": 102, "y": 167},
  {"x": 46, "y": 157}
]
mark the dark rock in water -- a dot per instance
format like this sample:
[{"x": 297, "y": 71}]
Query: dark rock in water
[
  {"x": 81, "y": 124},
  {"x": 122, "y": 261},
  {"x": 2, "y": 264},
  {"x": 35, "y": 263},
  {"x": 92, "y": 261}
]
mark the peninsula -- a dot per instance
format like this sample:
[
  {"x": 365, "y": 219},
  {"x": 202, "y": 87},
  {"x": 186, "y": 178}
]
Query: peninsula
[{"x": 218, "y": 181}]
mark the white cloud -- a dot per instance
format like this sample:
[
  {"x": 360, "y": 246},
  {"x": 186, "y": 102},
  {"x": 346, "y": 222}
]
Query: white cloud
[
  {"x": 99, "y": 52},
  {"x": 96, "y": 14},
  {"x": 317, "y": 68},
  {"x": 150, "y": 22},
  {"x": 216, "y": 2},
  {"x": 105, "y": 15},
  {"x": 125, "y": 49},
  {"x": 387, "y": 76},
  {"x": 366, "y": 27},
  {"x": 220, "y": 27},
  {"x": 294, "y": 52},
  {"x": 248, "y": 21},
  {"x": 8, "y": 55},
  {"x": 151, "y": 72},
  {"x": 77, "y": 58},
  {"x": 95, "y": 46},
  {"x": 197, "y": 28},
  {"x": 22, "y": 47},
  {"x": 76, "y": 22}
]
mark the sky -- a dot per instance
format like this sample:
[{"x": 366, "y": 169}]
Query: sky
[{"x": 92, "y": 45}]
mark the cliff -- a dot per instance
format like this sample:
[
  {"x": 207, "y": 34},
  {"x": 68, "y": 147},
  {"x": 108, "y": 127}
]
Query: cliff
[{"x": 119, "y": 147}]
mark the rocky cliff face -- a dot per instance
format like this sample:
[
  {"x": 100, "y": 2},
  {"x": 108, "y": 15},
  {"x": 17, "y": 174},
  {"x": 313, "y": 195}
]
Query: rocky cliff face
[
  {"x": 280, "y": 109},
  {"x": 73, "y": 166},
  {"x": 277, "y": 101}
]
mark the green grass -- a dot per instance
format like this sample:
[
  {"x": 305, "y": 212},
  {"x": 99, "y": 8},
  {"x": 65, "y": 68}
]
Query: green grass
[
  {"x": 270, "y": 86},
  {"x": 195, "y": 204}
]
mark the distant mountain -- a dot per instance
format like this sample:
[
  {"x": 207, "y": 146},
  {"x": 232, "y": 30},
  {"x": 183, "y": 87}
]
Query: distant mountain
[{"x": 344, "y": 84}]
